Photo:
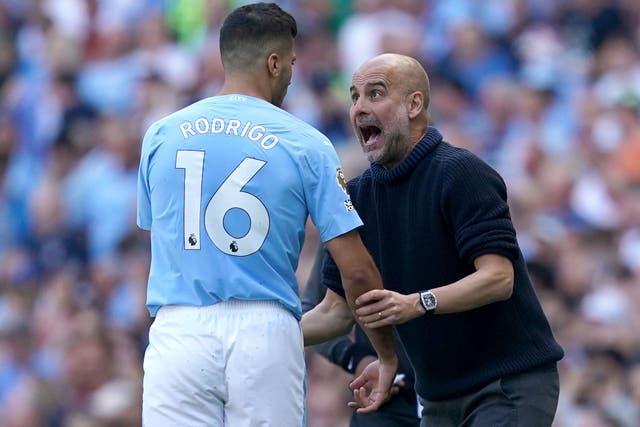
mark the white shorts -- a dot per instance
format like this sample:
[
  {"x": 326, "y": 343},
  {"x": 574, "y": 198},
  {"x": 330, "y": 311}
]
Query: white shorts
[{"x": 235, "y": 364}]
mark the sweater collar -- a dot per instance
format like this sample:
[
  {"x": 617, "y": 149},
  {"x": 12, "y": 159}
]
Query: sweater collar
[{"x": 406, "y": 166}]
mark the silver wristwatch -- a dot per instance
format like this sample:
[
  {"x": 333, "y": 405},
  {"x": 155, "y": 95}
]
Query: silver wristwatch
[{"x": 429, "y": 301}]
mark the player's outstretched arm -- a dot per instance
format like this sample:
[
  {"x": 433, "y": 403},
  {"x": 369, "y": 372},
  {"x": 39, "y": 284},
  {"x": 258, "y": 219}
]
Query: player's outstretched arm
[
  {"x": 329, "y": 319},
  {"x": 359, "y": 274},
  {"x": 342, "y": 350}
]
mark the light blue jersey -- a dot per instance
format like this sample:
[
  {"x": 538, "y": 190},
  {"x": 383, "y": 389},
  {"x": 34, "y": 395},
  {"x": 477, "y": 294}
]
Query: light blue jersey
[{"x": 226, "y": 186}]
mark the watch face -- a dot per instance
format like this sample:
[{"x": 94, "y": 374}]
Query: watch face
[{"x": 429, "y": 300}]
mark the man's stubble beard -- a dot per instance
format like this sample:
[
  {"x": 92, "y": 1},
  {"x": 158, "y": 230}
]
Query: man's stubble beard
[{"x": 396, "y": 146}]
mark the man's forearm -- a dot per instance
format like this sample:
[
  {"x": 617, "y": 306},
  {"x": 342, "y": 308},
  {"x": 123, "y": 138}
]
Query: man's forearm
[
  {"x": 341, "y": 351},
  {"x": 382, "y": 341},
  {"x": 359, "y": 274},
  {"x": 329, "y": 319},
  {"x": 381, "y": 338}
]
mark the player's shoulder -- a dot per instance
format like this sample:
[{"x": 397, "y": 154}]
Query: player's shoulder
[
  {"x": 161, "y": 123},
  {"x": 192, "y": 110},
  {"x": 304, "y": 131}
]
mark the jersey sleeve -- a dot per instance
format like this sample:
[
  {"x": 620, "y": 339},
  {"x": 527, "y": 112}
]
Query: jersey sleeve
[
  {"x": 326, "y": 192},
  {"x": 144, "y": 192}
]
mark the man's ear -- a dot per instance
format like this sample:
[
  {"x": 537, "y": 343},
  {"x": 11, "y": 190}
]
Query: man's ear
[
  {"x": 273, "y": 64},
  {"x": 416, "y": 104}
]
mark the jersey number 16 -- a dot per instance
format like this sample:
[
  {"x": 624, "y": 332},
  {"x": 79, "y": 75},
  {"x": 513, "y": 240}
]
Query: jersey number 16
[{"x": 228, "y": 196}]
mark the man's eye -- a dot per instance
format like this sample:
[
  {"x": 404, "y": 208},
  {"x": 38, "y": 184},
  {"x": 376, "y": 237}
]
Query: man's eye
[
  {"x": 376, "y": 93},
  {"x": 354, "y": 98}
]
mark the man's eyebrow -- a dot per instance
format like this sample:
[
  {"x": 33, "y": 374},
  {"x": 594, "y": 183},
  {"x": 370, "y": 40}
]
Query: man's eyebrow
[
  {"x": 370, "y": 84},
  {"x": 376, "y": 83}
]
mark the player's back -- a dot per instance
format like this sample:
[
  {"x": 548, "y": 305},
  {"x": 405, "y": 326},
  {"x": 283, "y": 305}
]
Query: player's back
[{"x": 228, "y": 181}]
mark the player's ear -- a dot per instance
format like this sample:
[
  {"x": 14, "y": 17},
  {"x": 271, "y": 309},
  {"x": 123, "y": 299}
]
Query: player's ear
[{"x": 273, "y": 64}]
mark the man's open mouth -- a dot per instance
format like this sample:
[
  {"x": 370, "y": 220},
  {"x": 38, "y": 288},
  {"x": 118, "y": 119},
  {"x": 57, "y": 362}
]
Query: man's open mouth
[{"x": 369, "y": 133}]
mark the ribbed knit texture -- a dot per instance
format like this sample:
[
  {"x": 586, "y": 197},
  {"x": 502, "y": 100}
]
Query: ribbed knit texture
[{"x": 425, "y": 221}]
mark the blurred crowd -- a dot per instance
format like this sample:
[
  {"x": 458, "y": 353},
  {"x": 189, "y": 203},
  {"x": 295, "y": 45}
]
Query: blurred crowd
[{"x": 546, "y": 91}]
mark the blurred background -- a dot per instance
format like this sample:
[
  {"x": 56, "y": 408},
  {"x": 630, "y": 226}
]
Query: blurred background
[{"x": 546, "y": 91}]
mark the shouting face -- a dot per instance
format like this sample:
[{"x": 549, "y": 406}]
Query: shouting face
[{"x": 379, "y": 113}]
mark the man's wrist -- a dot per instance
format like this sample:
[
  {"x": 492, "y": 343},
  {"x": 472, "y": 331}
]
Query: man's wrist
[{"x": 428, "y": 301}]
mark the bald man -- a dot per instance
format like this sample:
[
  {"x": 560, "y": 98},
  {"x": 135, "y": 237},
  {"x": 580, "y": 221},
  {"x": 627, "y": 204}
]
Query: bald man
[{"x": 437, "y": 223}]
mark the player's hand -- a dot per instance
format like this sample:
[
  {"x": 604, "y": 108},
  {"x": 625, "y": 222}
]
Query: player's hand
[
  {"x": 398, "y": 380},
  {"x": 381, "y": 307},
  {"x": 362, "y": 365},
  {"x": 371, "y": 389}
]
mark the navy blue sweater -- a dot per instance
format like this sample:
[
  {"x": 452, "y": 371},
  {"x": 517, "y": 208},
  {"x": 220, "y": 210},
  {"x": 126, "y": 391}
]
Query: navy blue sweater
[{"x": 425, "y": 221}]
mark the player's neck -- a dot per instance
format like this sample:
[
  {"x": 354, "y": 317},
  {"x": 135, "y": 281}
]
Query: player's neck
[{"x": 244, "y": 86}]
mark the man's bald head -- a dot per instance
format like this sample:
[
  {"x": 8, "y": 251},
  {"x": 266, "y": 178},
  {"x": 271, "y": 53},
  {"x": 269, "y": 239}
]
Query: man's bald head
[
  {"x": 404, "y": 72},
  {"x": 389, "y": 111}
]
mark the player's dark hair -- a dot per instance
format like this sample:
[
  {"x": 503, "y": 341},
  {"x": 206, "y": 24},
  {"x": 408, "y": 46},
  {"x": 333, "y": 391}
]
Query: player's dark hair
[{"x": 248, "y": 30}]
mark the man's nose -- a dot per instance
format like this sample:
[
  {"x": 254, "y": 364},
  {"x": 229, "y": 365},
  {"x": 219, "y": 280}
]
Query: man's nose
[{"x": 359, "y": 107}]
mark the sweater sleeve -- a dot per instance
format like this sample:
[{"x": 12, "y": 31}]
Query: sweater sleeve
[
  {"x": 474, "y": 200},
  {"x": 331, "y": 275},
  {"x": 314, "y": 291}
]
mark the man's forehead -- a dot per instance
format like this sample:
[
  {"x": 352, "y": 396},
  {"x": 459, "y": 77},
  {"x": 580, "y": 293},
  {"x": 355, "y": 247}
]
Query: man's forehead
[{"x": 372, "y": 75}]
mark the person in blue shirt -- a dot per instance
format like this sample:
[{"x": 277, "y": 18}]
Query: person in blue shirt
[{"x": 226, "y": 186}]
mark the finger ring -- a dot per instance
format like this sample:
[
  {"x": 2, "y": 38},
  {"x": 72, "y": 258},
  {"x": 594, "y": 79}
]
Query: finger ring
[{"x": 379, "y": 314}]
